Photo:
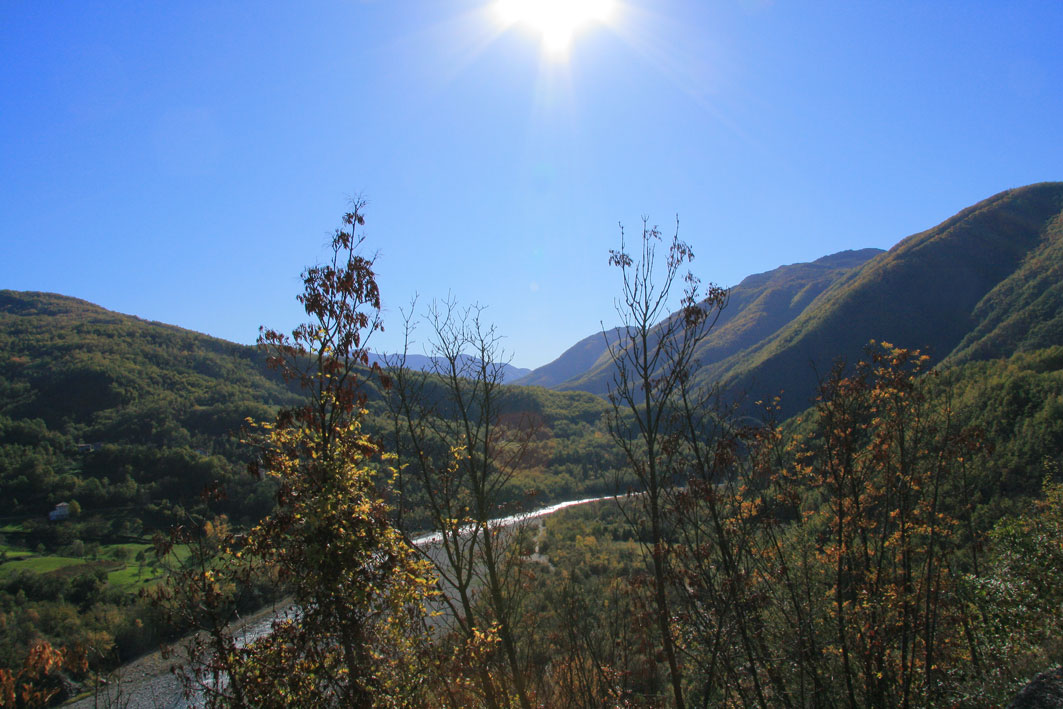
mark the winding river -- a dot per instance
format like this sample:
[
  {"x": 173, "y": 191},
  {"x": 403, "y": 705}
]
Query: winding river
[{"x": 148, "y": 682}]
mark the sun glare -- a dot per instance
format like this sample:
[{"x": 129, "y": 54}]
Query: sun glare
[{"x": 556, "y": 20}]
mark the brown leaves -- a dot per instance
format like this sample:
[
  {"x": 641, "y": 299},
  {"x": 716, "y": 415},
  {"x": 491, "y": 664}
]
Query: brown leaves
[
  {"x": 619, "y": 258},
  {"x": 881, "y": 458},
  {"x": 38, "y": 681},
  {"x": 328, "y": 542}
]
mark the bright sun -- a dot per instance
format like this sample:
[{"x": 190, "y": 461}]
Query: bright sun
[{"x": 556, "y": 20}]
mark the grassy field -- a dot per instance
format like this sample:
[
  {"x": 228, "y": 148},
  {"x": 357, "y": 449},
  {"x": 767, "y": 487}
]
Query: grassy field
[
  {"x": 38, "y": 564},
  {"x": 119, "y": 561},
  {"x": 131, "y": 576},
  {"x": 11, "y": 552}
]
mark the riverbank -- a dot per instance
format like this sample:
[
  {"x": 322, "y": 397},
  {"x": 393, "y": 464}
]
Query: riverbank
[{"x": 150, "y": 682}]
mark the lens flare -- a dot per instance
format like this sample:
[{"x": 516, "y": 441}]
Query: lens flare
[{"x": 556, "y": 20}]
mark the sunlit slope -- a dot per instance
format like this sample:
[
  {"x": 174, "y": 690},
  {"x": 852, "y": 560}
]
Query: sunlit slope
[
  {"x": 152, "y": 406},
  {"x": 73, "y": 363},
  {"x": 984, "y": 282},
  {"x": 758, "y": 307}
]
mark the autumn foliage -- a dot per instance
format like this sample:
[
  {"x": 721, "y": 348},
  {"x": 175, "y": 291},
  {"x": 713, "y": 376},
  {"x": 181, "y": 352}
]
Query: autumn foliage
[
  {"x": 38, "y": 680},
  {"x": 356, "y": 588}
]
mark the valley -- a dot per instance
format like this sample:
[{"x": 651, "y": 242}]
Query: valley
[{"x": 933, "y": 370}]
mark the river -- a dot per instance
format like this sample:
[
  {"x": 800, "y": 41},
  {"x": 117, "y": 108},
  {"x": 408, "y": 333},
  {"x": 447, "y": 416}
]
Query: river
[{"x": 148, "y": 682}]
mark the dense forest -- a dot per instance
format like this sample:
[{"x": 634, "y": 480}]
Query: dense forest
[{"x": 885, "y": 532}]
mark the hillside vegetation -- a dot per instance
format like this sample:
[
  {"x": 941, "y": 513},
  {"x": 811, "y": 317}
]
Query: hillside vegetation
[
  {"x": 930, "y": 291},
  {"x": 153, "y": 408}
]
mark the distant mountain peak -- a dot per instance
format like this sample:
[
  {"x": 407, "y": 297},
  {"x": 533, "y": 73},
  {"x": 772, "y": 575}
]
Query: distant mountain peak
[
  {"x": 427, "y": 363},
  {"x": 759, "y": 304}
]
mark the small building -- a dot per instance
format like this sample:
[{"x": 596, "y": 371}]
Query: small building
[{"x": 61, "y": 512}]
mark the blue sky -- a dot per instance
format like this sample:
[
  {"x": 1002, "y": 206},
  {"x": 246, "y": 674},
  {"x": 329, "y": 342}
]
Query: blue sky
[{"x": 183, "y": 162}]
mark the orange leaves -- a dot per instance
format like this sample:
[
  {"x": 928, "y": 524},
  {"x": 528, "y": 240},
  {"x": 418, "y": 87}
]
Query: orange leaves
[
  {"x": 37, "y": 681},
  {"x": 881, "y": 458}
]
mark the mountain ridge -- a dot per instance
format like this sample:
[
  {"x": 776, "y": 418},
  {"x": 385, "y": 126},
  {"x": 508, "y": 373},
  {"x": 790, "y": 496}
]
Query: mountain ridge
[
  {"x": 922, "y": 294},
  {"x": 760, "y": 304},
  {"x": 986, "y": 282},
  {"x": 429, "y": 363}
]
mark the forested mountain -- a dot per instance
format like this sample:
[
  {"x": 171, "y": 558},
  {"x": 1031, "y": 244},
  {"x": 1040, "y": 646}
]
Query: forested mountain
[
  {"x": 932, "y": 291},
  {"x": 156, "y": 408},
  {"x": 153, "y": 408},
  {"x": 75, "y": 364},
  {"x": 984, "y": 283}
]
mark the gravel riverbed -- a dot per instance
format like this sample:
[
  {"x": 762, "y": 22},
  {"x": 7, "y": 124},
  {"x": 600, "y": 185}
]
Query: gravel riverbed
[{"x": 150, "y": 683}]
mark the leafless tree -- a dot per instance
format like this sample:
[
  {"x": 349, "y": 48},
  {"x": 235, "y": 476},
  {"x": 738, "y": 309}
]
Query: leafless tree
[
  {"x": 654, "y": 358},
  {"x": 458, "y": 451}
]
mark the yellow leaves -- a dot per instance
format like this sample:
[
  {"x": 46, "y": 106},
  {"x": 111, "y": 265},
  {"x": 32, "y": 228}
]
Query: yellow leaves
[
  {"x": 749, "y": 508},
  {"x": 486, "y": 635}
]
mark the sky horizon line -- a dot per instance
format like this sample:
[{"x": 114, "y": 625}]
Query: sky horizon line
[{"x": 184, "y": 163}]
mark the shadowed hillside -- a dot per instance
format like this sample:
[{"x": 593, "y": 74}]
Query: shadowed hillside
[
  {"x": 1024, "y": 312},
  {"x": 969, "y": 280}
]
